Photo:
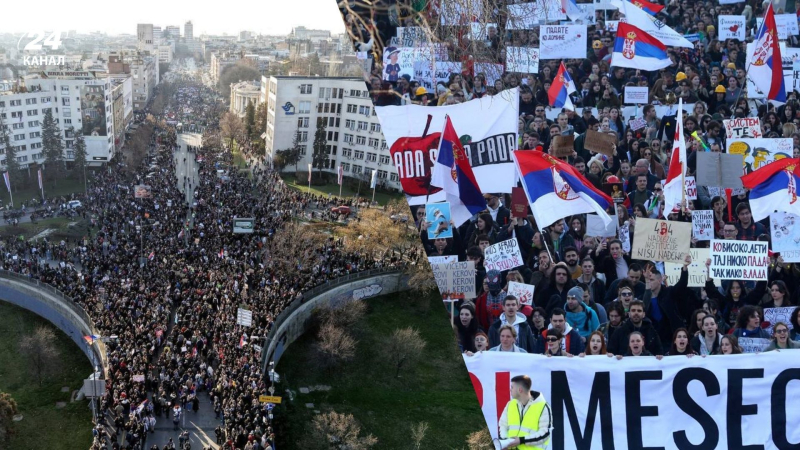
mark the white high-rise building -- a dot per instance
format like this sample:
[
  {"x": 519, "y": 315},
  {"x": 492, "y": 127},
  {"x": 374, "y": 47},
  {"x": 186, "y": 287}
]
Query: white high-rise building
[
  {"x": 144, "y": 37},
  {"x": 172, "y": 31},
  {"x": 343, "y": 105},
  {"x": 188, "y": 31}
]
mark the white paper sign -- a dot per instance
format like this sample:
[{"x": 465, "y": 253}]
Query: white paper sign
[
  {"x": 478, "y": 31},
  {"x": 460, "y": 13},
  {"x": 731, "y": 27},
  {"x": 562, "y": 41},
  {"x": 611, "y": 25},
  {"x": 785, "y": 235},
  {"x": 492, "y": 72},
  {"x": 523, "y": 292},
  {"x": 697, "y": 269},
  {"x": 689, "y": 185},
  {"x": 527, "y": 16},
  {"x": 775, "y": 315},
  {"x": 739, "y": 260},
  {"x": 442, "y": 259},
  {"x": 703, "y": 224},
  {"x": 636, "y": 95},
  {"x": 597, "y": 228},
  {"x": 456, "y": 279},
  {"x": 428, "y": 76},
  {"x": 522, "y": 59},
  {"x": 753, "y": 345},
  {"x": 742, "y": 128},
  {"x": 244, "y": 317},
  {"x": 503, "y": 256}
]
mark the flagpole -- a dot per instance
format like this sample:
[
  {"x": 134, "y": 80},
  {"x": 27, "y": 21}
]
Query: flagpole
[
  {"x": 341, "y": 180},
  {"x": 747, "y": 70}
]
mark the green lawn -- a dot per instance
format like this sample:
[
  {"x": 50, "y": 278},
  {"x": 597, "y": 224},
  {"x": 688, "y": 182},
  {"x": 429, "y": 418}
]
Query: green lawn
[
  {"x": 333, "y": 188},
  {"x": 43, "y": 426},
  {"x": 65, "y": 186},
  {"x": 437, "y": 392}
]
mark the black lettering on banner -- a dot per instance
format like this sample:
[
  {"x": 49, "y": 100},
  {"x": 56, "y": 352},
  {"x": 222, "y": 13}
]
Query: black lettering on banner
[
  {"x": 686, "y": 403},
  {"x": 491, "y": 150},
  {"x": 634, "y": 410},
  {"x": 778, "y": 403},
  {"x": 736, "y": 410},
  {"x": 599, "y": 396}
]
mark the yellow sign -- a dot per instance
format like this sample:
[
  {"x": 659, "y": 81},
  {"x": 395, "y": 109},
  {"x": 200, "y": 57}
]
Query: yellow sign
[{"x": 269, "y": 399}]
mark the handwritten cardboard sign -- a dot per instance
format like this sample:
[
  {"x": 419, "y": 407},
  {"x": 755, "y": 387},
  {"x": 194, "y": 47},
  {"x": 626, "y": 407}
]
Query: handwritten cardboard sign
[
  {"x": 563, "y": 146},
  {"x": 503, "y": 256},
  {"x": 604, "y": 143},
  {"x": 739, "y": 260},
  {"x": 661, "y": 240}
]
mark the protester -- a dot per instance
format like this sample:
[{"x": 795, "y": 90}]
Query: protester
[{"x": 780, "y": 338}]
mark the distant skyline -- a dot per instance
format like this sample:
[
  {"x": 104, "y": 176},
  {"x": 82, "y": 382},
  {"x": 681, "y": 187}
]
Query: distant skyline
[{"x": 261, "y": 17}]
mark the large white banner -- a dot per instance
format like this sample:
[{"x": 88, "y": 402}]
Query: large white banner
[
  {"x": 597, "y": 402},
  {"x": 487, "y": 127},
  {"x": 562, "y": 41}
]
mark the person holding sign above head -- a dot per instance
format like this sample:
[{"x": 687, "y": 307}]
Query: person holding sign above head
[
  {"x": 780, "y": 338},
  {"x": 666, "y": 306},
  {"x": 526, "y": 422}
]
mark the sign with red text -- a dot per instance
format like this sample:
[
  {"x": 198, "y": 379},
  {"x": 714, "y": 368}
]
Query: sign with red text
[
  {"x": 743, "y": 127},
  {"x": 661, "y": 240},
  {"x": 739, "y": 260},
  {"x": 502, "y": 256},
  {"x": 562, "y": 41}
]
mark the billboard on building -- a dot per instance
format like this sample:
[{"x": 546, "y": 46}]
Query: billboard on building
[{"x": 93, "y": 111}]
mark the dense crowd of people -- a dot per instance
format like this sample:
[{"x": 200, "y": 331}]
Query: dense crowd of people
[
  {"x": 590, "y": 296},
  {"x": 162, "y": 280}
]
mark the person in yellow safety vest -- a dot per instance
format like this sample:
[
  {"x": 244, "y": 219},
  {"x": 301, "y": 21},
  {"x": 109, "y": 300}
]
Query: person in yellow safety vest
[{"x": 526, "y": 418}]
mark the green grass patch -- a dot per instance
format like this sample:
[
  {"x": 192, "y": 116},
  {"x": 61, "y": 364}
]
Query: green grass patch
[
  {"x": 332, "y": 188},
  {"x": 59, "y": 225},
  {"x": 438, "y": 391},
  {"x": 43, "y": 426},
  {"x": 65, "y": 186}
]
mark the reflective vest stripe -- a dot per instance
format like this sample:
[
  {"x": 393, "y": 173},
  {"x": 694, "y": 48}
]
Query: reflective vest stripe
[{"x": 524, "y": 426}]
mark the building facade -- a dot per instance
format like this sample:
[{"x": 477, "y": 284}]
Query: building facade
[
  {"x": 188, "y": 31},
  {"x": 144, "y": 37},
  {"x": 344, "y": 107},
  {"x": 243, "y": 93}
]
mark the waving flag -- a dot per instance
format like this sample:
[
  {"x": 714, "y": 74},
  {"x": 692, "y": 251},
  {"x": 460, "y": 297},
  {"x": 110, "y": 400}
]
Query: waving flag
[
  {"x": 561, "y": 89},
  {"x": 180, "y": 234},
  {"x": 766, "y": 69},
  {"x": 341, "y": 174},
  {"x": 657, "y": 29},
  {"x": 556, "y": 190},
  {"x": 221, "y": 253},
  {"x": 7, "y": 180},
  {"x": 673, "y": 188},
  {"x": 635, "y": 49},
  {"x": 152, "y": 256},
  {"x": 453, "y": 174},
  {"x": 374, "y": 181},
  {"x": 571, "y": 9},
  {"x": 650, "y": 8},
  {"x": 774, "y": 188},
  {"x": 91, "y": 338}
]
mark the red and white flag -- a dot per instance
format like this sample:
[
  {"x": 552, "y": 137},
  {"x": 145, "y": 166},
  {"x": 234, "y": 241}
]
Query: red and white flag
[
  {"x": 673, "y": 189},
  {"x": 341, "y": 174}
]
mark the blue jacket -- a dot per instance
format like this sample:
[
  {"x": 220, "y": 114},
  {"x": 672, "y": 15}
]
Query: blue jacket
[{"x": 583, "y": 322}]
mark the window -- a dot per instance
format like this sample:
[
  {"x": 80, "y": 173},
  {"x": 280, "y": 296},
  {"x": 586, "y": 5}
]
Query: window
[
  {"x": 372, "y": 157},
  {"x": 33, "y": 123},
  {"x": 37, "y": 156},
  {"x": 348, "y": 138},
  {"x": 302, "y": 122},
  {"x": 375, "y": 127},
  {"x": 30, "y": 101},
  {"x": 16, "y": 114},
  {"x": 356, "y": 168},
  {"x": 382, "y": 174},
  {"x": 345, "y": 167},
  {"x": 2, "y": 104},
  {"x": 373, "y": 142},
  {"x": 359, "y": 154},
  {"x": 33, "y": 112},
  {"x": 22, "y": 158},
  {"x": 45, "y": 99},
  {"x": 17, "y": 126},
  {"x": 361, "y": 140},
  {"x": 69, "y": 144},
  {"x": 393, "y": 177},
  {"x": 34, "y": 135},
  {"x": 355, "y": 93},
  {"x": 64, "y": 101},
  {"x": 305, "y": 108},
  {"x": 66, "y": 113},
  {"x": 19, "y": 137},
  {"x": 65, "y": 89},
  {"x": 364, "y": 110},
  {"x": 385, "y": 159},
  {"x": 352, "y": 108},
  {"x": 350, "y": 124},
  {"x": 70, "y": 154},
  {"x": 305, "y": 88},
  {"x": 362, "y": 125},
  {"x": 303, "y": 151},
  {"x": 347, "y": 152},
  {"x": 44, "y": 110},
  {"x": 67, "y": 121},
  {"x": 37, "y": 145},
  {"x": 15, "y": 103},
  {"x": 304, "y": 136}
]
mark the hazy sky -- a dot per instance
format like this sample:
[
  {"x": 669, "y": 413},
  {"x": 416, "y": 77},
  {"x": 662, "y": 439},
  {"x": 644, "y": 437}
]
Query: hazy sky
[{"x": 264, "y": 16}]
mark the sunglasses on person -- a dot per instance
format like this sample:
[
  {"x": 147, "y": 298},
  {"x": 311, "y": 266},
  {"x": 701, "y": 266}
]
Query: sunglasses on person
[
  {"x": 626, "y": 294},
  {"x": 552, "y": 339},
  {"x": 781, "y": 331}
]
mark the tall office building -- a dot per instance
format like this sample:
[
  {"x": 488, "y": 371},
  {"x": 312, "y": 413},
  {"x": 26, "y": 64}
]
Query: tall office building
[{"x": 188, "y": 31}]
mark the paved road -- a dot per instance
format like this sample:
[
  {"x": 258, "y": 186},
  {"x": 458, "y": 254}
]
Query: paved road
[{"x": 186, "y": 166}]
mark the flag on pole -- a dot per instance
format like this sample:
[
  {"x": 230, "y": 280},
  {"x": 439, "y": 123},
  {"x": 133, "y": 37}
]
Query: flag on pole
[
  {"x": 636, "y": 49},
  {"x": 221, "y": 253},
  {"x": 180, "y": 235},
  {"x": 341, "y": 174},
  {"x": 561, "y": 89},
  {"x": 242, "y": 341},
  {"x": 454, "y": 175},
  {"x": 374, "y": 180},
  {"x": 674, "y": 186},
  {"x": 766, "y": 68},
  {"x": 650, "y": 8},
  {"x": 152, "y": 256},
  {"x": 8, "y": 181},
  {"x": 41, "y": 185},
  {"x": 309, "y": 172},
  {"x": 91, "y": 338},
  {"x": 641, "y": 20},
  {"x": 774, "y": 188}
]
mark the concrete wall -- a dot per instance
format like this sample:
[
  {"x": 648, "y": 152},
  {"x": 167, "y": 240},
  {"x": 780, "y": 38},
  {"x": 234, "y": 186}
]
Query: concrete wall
[
  {"x": 48, "y": 303},
  {"x": 296, "y": 319}
]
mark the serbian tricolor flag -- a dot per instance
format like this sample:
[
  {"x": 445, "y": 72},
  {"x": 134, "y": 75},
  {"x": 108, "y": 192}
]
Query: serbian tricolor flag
[
  {"x": 650, "y": 8},
  {"x": 561, "y": 89},
  {"x": 635, "y": 49},
  {"x": 221, "y": 253},
  {"x": 453, "y": 174},
  {"x": 766, "y": 68},
  {"x": 7, "y": 180},
  {"x": 91, "y": 338},
  {"x": 774, "y": 188},
  {"x": 556, "y": 190},
  {"x": 674, "y": 186},
  {"x": 242, "y": 341},
  {"x": 152, "y": 256}
]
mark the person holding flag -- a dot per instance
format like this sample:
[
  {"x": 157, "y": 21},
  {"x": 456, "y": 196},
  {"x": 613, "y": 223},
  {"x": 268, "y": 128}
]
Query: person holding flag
[
  {"x": 561, "y": 89},
  {"x": 766, "y": 67},
  {"x": 453, "y": 174},
  {"x": 674, "y": 189}
]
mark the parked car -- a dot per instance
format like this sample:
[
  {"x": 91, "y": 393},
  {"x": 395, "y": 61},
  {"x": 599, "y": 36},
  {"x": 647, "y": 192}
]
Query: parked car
[
  {"x": 341, "y": 210},
  {"x": 72, "y": 204}
]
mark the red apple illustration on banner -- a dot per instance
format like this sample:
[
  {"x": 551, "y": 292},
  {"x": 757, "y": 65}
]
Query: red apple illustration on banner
[{"x": 412, "y": 159}]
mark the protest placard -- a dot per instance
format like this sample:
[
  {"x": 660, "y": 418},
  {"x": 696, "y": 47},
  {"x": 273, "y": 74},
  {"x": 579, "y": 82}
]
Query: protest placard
[
  {"x": 637, "y": 123},
  {"x": 731, "y": 27},
  {"x": 479, "y": 31},
  {"x": 492, "y": 72},
  {"x": 785, "y": 235},
  {"x": 138, "y": 378},
  {"x": 615, "y": 191},
  {"x": 522, "y": 59},
  {"x": 411, "y": 37},
  {"x": 786, "y": 24},
  {"x": 703, "y": 224},
  {"x": 460, "y": 13},
  {"x": 502, "y": 256},
  {"x": 523, "y": 292},
  {"x": 661, "y": 240},
  {"x": 625, "y": 237},
  {"x": 564, "y": 146},
  {"x": 562, "y": 41},
  {"x": 519, "y": 203},
  {"x": 739, "y": 260},
  {"x": 794, "y": 84},
  {"x": 456, "y": 280},
  {"x": 716, "y": 169},
  {"x": 636, "y": 95},
  {"x": 753, "y": 345},
  {"x": 399, "y": 61},
  {"x": 690, "y": 186},
  {"x": 697, "y": 269},
  {"x": 442, "y": 259},
  {"x": 611, "y": 25},
  {"x": 142, "y": 191},
  {"x": 760, "y": 152},
  {"x": 598, "y": 142},
  {"x": 438, "y": 216},
  {"x": 775, "y": 315},
  {"x": 743, "y": 127},
  {"x": 429, "y": 74},
  {"x": 527, "y": 16},
  {"x": 597, "y": 228},
  {"x": 244, "y": 317}
]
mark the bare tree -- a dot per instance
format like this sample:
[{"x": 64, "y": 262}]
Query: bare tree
[
  {"x": 418, "y": 432},
  {"x": 480, "y": 440},
  {"x": 8, "y": 409},
  {"x": 403, "y": 349},
  {"x": 335, "y": 344},
  {"x": 231, "y": 127},
  {"x": 420, "y": 277},
  {"x": 334, "y": 431},
  {"x": 294, "y": 247},
  {"x": 343, "y": 316},
  {"x": 40, "y": 351}
]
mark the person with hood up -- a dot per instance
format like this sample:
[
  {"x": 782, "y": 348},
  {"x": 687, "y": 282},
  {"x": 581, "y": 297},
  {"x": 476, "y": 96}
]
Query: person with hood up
[
  {"x": 489, "y": 305},
  {"x": 580, "y": 316},
  {"x": 525, "y": 338},
  {"x": 618, "y": 344},
  {"x": 571, "y": 341}
]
